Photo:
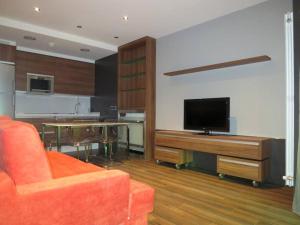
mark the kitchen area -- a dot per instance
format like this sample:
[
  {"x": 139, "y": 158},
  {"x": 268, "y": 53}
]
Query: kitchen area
[{"x": 42, "y": 89}]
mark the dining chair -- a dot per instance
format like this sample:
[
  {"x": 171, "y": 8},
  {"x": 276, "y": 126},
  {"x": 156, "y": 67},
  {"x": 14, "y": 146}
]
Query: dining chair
[{"x": 85, "y": 136}]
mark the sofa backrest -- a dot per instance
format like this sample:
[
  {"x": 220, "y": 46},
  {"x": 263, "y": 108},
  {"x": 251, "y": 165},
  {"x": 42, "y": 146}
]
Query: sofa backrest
[
  {"x": 22, "y": 155},
  {"x": 4, "y": 117}
]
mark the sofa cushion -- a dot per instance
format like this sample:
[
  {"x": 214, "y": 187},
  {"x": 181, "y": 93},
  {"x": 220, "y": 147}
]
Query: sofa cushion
[
  {"x": 141, "y": 198},
  {"x": 5, "y": 123},
  {"x": 63, "y": 165},
  {"x": 22, "y": 155}
]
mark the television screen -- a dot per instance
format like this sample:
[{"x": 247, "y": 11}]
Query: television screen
[{"x": 211, "y": 114}]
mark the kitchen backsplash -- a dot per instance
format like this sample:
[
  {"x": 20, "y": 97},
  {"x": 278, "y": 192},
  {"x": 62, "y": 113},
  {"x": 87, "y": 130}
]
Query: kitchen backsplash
[{"x": 29, "y": 105}]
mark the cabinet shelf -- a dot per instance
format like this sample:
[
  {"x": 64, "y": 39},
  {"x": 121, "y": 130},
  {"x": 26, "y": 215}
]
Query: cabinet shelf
[
  {"x": 128, "y": 76},
  {"x": 133, "y": 89},
  {"x": 239, "y": 62},
  {"x": 134, "y": 61}
]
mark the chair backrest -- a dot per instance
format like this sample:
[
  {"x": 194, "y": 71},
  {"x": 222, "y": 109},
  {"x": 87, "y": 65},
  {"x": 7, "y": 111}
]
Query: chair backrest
[
  {"x": 79, "y": 134},
  {"x": 22, "y": 155}
]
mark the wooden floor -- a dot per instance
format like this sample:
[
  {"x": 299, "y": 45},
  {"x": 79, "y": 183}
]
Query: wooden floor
[{"x": 186, "y": 197}]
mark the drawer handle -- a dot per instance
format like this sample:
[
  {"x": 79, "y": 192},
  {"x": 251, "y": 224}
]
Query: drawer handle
[{"x": 239, "y": 162}]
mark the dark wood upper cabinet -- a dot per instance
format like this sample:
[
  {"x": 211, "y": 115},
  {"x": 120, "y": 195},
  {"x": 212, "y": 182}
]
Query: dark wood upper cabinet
[
  {"x": 7, "y": 53},
  {"x": 70, "y": 76},
  {"x": 106, "y": 76}
]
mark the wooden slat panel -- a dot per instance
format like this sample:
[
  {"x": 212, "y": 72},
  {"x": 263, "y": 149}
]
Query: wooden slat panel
[
  {"x": 7, "y": 53},
  {"x": 132, "y": 99},
  {"x": 133, "y": 83},
  {"x": 71, "y": 77}
]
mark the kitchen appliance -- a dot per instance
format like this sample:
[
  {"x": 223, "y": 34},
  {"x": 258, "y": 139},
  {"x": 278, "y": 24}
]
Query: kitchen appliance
[
  {"x": 7, "y": 89},
  {"x": 40, "y": 84},
  {"x": 136, "y": 130}
]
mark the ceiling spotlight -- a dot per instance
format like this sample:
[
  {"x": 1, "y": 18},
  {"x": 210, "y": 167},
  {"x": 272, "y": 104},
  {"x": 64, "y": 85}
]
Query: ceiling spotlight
[
  {"x": 37, "y": 9},
  {"x": 125, "y": 18},
  {"x": 79, "y": 26},
  {"x": 116, "y": 37},
  {"x": 84, "y": 49},
  {"x": 30, "y": 38}
]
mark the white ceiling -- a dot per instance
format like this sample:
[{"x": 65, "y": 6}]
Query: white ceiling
[{"x": 102, "y": 20}]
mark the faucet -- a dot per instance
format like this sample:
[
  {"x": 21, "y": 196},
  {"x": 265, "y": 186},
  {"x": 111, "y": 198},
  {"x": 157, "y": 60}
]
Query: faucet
[{"x": 77, "y": 106}]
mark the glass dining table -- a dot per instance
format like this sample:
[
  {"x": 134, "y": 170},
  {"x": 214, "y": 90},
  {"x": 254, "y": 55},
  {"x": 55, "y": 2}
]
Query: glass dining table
[{"x": 58, "y": 126}]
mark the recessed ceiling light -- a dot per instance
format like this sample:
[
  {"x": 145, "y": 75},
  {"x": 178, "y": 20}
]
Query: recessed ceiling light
[
  {"x": 116, "y": 37},
  {"x": 79, "y": 26},
  {"x": 84, "y": 49},
  {"x": 30, "y": 38},
  {"x": 37, "y": 9},
  {"x": 125, "y": 18}
]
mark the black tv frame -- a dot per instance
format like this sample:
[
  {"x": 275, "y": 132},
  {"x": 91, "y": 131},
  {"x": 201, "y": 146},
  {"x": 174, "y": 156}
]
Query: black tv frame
[{"x": 209, "y": 130}]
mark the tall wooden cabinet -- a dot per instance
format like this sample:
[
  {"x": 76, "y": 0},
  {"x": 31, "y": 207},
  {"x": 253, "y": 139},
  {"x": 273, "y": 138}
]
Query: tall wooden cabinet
[{"x": 136, "y": 84}]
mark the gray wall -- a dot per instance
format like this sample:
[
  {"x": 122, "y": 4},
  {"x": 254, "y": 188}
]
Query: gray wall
[
  {"x": 296, "y": 6},
  {"x": 257, "y": 91}
]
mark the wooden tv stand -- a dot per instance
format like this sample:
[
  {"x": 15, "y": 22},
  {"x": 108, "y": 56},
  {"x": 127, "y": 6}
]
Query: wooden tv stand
[{"x": 241, "y": 156}]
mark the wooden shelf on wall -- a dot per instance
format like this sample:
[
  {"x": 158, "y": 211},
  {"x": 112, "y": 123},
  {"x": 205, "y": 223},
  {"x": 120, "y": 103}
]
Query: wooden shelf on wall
[{"x": 239, "y": 62}]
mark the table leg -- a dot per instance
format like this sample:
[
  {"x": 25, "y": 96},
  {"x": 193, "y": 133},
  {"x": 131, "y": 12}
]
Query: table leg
[
  {"x": 105, "y": 141},
  {"x": 127, "y": 141},
  {"x": 58, "y": 135},
  {"x": 43, "y": 134}
]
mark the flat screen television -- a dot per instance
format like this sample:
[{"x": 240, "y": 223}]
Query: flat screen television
[{"x": 210, "y": 114}]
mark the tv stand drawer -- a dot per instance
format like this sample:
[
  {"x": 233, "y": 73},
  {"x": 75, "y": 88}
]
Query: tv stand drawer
[
  {"x": 244, "y": 168},
  {"x": 173, "y": 155}
]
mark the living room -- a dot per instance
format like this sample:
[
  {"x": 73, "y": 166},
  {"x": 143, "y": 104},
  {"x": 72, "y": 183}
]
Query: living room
[{"x": 164, "y": 112}]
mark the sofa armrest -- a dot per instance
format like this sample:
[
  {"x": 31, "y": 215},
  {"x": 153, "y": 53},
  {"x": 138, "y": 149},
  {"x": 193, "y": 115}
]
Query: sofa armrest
[
  {"x": 91, "y": 198},
  {"x": 7, "y": 186},
  {"x": 8, "y": 206}
]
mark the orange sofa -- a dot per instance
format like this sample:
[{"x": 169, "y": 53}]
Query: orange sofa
[{"x": 50, "y": 188}]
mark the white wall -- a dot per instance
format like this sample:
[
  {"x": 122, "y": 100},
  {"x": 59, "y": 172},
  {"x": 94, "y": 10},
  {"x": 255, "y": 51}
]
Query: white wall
[{"x": 257, "y": 91}]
